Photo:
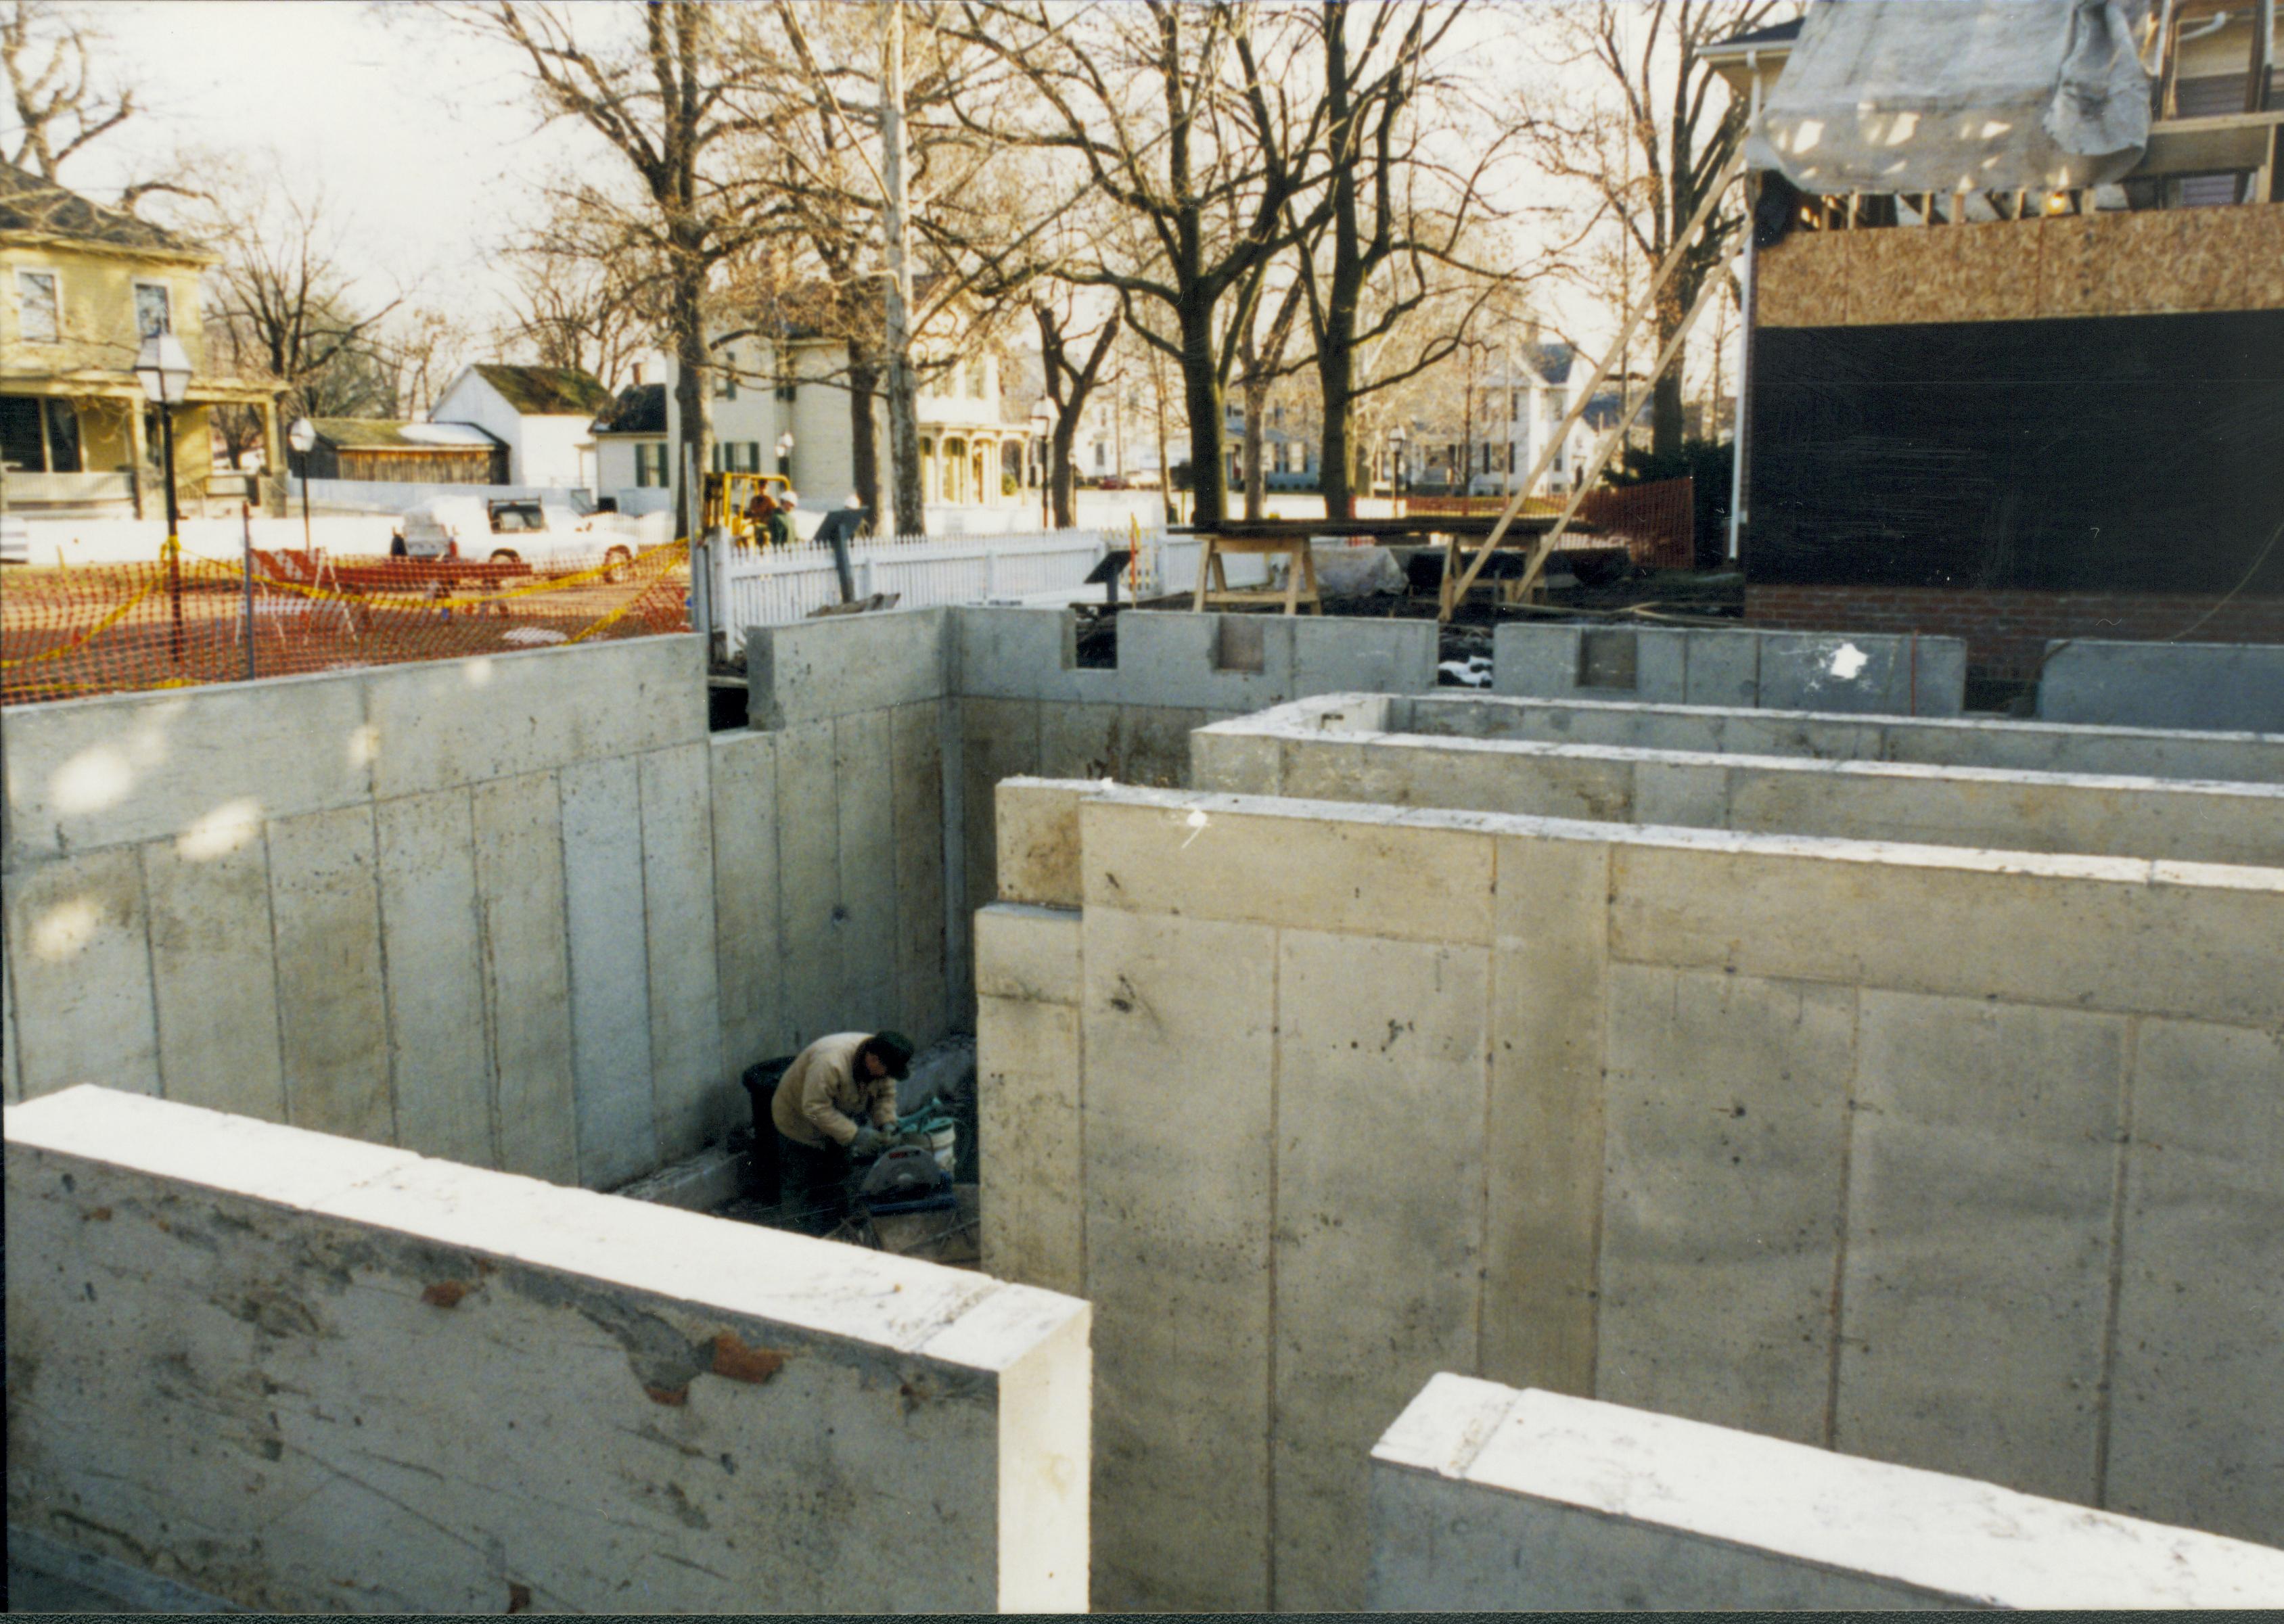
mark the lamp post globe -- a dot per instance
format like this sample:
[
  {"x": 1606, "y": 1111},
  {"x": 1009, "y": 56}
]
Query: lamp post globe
[{"x": 302, "y": 437}]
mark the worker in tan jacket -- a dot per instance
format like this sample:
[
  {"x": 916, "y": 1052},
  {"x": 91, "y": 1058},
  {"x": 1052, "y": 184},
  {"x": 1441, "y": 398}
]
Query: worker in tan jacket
[{"x": 831, "y": 1108}]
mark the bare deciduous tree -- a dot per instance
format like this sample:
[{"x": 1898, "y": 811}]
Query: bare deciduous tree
[
  {"x": 652, "y": 80},
  {"x": 1661, "y": 131},
  {"x": 61, "y": 101},
  {"x": 1071, "y": 357}
]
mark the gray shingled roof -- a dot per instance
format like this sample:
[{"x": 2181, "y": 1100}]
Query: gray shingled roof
[{"x": 29, "y": 204}]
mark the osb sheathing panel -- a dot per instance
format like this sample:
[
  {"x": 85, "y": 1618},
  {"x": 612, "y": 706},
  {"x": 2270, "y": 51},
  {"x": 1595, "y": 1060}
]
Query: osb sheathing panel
[{"x": 2115, "y": 264}]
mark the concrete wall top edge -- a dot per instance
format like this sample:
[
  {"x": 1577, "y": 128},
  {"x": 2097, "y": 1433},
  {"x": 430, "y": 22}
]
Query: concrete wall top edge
[
  {"x": 1273, "y": 724},
  {"x": 949, "y": 1316},
  {"x": 2122, "y": 870},
  {"x": 2066, "y": 729},
  {"x": 1944, "y": 1534}
]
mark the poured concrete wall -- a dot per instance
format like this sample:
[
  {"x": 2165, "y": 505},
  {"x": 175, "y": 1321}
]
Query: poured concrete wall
[
  {"x": 1485, "y": 1499},
  {"x": 1291, "y": 751},
  {"x": 1957, "y": 1159},
  {"x": 2164, "y": 685},
  {"x": 1854, "y": 672},
  {"x": 522, "y": 912},
  {"x": 2031, "y": 747},
  {"x": 306, "y": 1374}
]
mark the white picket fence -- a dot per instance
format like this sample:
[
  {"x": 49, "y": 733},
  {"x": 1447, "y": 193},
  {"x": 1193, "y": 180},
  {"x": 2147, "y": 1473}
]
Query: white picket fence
[{"x": 775, "y": 586}]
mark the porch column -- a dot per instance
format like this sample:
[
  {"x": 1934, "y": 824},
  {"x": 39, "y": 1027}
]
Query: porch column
[{"x": 138, "y": 442}]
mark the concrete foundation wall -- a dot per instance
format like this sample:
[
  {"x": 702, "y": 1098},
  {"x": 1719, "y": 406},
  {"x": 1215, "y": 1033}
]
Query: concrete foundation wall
[
  {"x": 521, "y": 912},
  {"x": 2013, "y": 747},
  {"x": 1290, "y": 751},
  {"x": 1888, "y": 675},
  {"x": 1485, "y": 1499},
  {"x": 305, "y": 1374},
  {"x": 2164, "y": 685},
  {"x": 1686, "y": 1119}
]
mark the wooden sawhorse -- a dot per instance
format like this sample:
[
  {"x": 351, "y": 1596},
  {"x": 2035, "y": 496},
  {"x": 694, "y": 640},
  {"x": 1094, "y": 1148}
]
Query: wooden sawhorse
[{"x": 1213, "y": 579}]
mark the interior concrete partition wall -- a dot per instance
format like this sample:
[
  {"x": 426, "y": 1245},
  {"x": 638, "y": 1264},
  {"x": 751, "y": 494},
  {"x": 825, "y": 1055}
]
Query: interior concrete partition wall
[
  {"x": 1016, "y": 702},
  {"x": 309, "y": 1375},
  {"x": 1486, "y": 1499},
  {"x": 1322, "y": 750},
  {"x": 520, "y": 912},
  {"x": 2013, "y": 747},
  {"x": 2164, "y": 685},
  {"x": 1850, "y": 672},
  {"x": 1962, "y": 1159}
]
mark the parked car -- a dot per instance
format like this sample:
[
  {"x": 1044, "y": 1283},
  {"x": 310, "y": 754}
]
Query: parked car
[{"x": 512, "y": 530}]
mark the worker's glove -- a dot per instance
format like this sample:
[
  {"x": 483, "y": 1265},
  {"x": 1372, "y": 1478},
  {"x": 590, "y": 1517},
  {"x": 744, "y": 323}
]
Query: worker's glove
[{"x": 868, "y": 1142}]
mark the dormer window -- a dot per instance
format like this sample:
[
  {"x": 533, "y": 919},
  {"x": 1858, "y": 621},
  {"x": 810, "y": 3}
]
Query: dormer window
[
  {"x": 154, "y": 310},
  {"x": 39, "y": 316}
]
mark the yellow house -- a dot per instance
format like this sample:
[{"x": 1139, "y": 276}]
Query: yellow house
[{"x": 79, "y": 286}]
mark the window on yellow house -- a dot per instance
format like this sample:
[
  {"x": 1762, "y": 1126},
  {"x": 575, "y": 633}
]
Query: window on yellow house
[
  {"x": 154, "y": 308},
  {"x": 39, "y": 319}
]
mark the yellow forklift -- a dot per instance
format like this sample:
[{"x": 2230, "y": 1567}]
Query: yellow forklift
[{"x": 731, "y": 502}]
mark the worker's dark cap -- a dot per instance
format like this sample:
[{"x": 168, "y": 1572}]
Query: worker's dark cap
[{"x": 895, "y": 1053}]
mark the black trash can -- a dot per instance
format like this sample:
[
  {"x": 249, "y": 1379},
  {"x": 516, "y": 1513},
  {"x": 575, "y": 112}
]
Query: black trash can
[{"x": 763, "y": 1178}]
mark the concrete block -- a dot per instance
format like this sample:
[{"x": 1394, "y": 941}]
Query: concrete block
[
  {"x": 1341, "y": 654},
  {"x": 1486, "y": 1499},
  {"x": 1079, "y": 741},
  {"x": 450, "y": 722},
  {"x": 923, "y": 999},
  {"x": 1039, "y": 839},
  {"x": 1154, "y": 741},
  {"x": 1475, "y": 778},
  {"x": 998, "y": 739},
  {"x": 691, "y": 1098},
  {"x": 1026, "y": 1072},
  {"x": 2196, "y": 1428},
  {"x": 1378, "y": 1256},
  {"x": 1727, "y": 1119},
  {"x": 519, "y": 827},
  {"x": 1179, "y": 1032},
  {"x": 1027, "y": 953},
  {"x": 608, "y": 948},
  {"x": 1235, "y": 763},
  {"x": 1188, "y": 662},
  {"x": 1723, "y": 668},
  {"x": 332, "y": 1014},
  {"x": 704, "y": 1379},
  {"x": 1414, "y": 876},
  {"x": 1689, "y": 794},
  {"x": 78, "y": 949},
  {"x": 1015, "y": 653},
  {"x": 2095, "y": 933},
  {"x": 819, "y": 670},
  {"x": 1982, "y": 1186},
  {"x": 214, "y": 974},
  {"x": 808, "y": 878},
  {"x": 864, "y": 778},
  {"x": 1337, "y": 768},
  {"x": 433, "y": 950},
  {"x": 1861, "y": 674},
  {"x": 120, "y": 768},
  {"x": 2236, "y": 687},
  {"x": 748, "y": 956},
  {"x": 1534, "y": 661},
  {"x": 1544, "y": 1128}
]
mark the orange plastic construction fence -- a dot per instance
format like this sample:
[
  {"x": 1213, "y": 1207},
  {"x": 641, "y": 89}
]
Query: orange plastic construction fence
[{"x": 113, "y": 628}]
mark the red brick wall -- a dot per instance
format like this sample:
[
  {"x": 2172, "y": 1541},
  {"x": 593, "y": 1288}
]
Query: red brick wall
[{"x": 2006, "y": 631}]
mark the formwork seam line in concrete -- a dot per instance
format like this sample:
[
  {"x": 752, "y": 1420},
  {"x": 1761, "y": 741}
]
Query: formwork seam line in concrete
[
  {"x": 1831, "y": 1428},
  {"x": 1601, "y": 1142},
  {"x": 151, "y": 966},
  {"x": 642, "y": 876},
  {"x": 570, "y": 962},
  {"x": 1491, "y": 1074},
  {"x": 2106, "y": 1387},
  {"x": 1268, "y": 1435},
  {"x": 488, "y": 983},
  {"x": 387, "y": 1010},
  {"x": 277, "y": 992}
]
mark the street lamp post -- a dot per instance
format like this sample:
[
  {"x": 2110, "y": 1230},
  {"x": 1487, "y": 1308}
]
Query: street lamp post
[
  {"x": 784, "y": 453},
  {"x": 163, "y": 368},
  {"x": 303, "y": 438},
  {"x": 1043, "y": 419},
  {"x": 1396, "y": 474}
]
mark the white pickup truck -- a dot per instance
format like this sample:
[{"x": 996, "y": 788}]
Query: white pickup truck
[{"x": 512, "y": 530}]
